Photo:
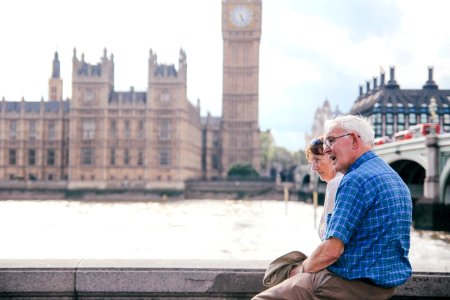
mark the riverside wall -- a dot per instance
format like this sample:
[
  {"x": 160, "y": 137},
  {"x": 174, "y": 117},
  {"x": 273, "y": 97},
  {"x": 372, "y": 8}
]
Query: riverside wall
[
  {"x": 45, "y": 190},
  {"x": 167, "y": 279}
]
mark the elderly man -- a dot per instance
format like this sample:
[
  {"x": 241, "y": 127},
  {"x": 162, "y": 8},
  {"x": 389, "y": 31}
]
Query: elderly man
[{"x": 364, "y": 254}]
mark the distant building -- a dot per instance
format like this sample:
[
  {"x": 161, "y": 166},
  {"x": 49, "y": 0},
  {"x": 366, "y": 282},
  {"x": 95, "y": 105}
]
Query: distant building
[
  {"x": 154, "y": 139},
  {"x": 211, "y": 147},
  {"x": 320, "y": 116},
  {"x": 392, "y": 109},
  {"x": 102, "y": 138},
  {"x": 241, "y": 32}
]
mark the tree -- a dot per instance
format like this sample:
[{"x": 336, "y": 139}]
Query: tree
[
  {"x": 283, "y": 157},
  {"x": 276, "y": 159},
  {"x": 300, "y": 157},
  {"x": 285, "y": 162},
  {"x": 242, "y": 170},
  {"x": 267, "y": 150}
]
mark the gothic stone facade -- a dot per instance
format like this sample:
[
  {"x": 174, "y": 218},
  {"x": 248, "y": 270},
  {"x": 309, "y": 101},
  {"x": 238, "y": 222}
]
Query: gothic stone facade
[
  {"x": 154, "y": 139},
  {"x": 241, "y": 30},
  {"x": 320, "y": 116},
  {"x": 102, "y": 138}
]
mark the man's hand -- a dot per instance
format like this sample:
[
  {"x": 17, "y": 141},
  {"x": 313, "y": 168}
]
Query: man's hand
[{"x": 295, "y": 270}]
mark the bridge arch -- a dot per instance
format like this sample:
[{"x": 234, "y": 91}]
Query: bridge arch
[
  {"x": 413, "y": 174},
  {"x": 418, "y": 159},
  {"x": 444, "y": 184},
  {"x": 305, "y": 181}
]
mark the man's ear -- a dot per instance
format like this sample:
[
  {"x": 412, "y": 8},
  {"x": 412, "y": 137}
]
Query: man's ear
[{"x": 355, "y": 140}]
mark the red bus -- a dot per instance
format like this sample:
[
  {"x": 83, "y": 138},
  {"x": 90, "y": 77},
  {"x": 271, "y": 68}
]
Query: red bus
[
  {"x": 403, "y": 135},
  {"x": 381, "y": 140},
  {"x": 425, "y": 129},
  {"x": 417, "y": 131}
]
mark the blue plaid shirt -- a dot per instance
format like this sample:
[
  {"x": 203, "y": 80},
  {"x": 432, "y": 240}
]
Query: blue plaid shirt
[{"x": 372, "y": 216}]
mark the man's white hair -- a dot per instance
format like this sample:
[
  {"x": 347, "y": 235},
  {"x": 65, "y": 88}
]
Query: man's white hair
[{"x": 353, "y": 123}]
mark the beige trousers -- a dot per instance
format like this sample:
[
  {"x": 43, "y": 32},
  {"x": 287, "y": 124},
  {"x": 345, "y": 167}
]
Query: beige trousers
[{"x": 323, "y": 285}]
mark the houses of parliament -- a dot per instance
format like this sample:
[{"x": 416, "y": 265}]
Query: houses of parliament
[{"x": 100, "y": 138}]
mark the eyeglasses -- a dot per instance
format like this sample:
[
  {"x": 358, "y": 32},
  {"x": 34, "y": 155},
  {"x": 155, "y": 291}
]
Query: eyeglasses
[
  {"x": 330, "y": 141},
  {"x": 316, "y": 142}
]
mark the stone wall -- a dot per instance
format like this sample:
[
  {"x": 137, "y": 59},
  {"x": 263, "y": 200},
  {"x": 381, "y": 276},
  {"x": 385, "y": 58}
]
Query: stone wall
[
  {"x": 230, "y": 189},
  {"x": 165, "y": 279},
  {"x": 43, "y": 190}
]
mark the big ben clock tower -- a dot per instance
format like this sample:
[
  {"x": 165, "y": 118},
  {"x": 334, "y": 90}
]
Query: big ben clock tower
[{"x": 241, "y": 31}]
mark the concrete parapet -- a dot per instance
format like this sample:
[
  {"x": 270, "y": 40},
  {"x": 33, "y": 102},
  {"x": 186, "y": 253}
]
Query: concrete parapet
[
  {"x": 230, "y": 189},
  {"x": 45, "y": 190},
  {"x": 164, "y": 279}
]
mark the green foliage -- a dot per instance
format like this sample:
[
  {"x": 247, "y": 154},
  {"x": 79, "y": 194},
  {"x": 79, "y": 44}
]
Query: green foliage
[
  {"x": 300, "y": 157},
  {"x": 271, "y": 154},
  {"x": 267, "y": 149},
  {"x": 242, "y": 170},
  {"x": 283, "y": 157}
]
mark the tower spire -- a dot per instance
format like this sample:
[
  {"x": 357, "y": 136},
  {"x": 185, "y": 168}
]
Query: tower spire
[
  {"x": 56, "y": 67},
  {"x": 55, "y": 83}
]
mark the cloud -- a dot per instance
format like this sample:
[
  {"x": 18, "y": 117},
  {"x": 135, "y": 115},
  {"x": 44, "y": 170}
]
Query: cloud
[
  {"x": 292, "y": 140},
  {"x": 310, "y": 50}
]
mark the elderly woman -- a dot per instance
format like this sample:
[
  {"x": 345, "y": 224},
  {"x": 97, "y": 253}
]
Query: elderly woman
[
  {"x": 321, "y": 164},
  {"x": 289, "y": 264}
]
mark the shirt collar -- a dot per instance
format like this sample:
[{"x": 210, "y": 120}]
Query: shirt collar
[{"x": 362, "y": 159}]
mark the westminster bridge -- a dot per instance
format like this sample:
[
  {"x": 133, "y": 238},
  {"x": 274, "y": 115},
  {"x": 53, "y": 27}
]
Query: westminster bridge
[{"x": 424, "y": 165}]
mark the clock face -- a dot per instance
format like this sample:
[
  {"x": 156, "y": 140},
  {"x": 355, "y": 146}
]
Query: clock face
[{"x": 241, "y": 15}]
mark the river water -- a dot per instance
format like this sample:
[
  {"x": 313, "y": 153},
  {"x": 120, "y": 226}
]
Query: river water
[{"x": 181, "y": 229}]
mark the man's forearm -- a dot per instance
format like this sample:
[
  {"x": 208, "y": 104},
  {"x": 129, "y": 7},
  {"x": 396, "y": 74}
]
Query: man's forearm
[{"x": 327, "y": 253}]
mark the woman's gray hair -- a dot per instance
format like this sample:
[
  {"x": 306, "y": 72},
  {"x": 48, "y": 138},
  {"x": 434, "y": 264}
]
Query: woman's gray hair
[{"x": 353, "y": 123}]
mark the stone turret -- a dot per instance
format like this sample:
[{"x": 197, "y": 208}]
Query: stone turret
[
  {"x": 102, "y": 72},
  {"x": 163, "y": 76},
  {"x": 55, "y": 83},
  {"x": 92, "y": 84}
]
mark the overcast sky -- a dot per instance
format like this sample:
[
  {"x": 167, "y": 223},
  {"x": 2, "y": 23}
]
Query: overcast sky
[{"x": 310, "y": 50}]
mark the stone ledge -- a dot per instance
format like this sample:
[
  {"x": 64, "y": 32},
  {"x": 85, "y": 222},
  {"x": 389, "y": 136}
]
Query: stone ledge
[{"x": 165, "y": 279}]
